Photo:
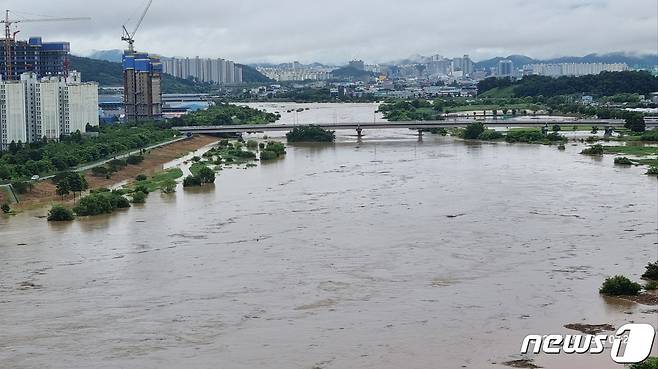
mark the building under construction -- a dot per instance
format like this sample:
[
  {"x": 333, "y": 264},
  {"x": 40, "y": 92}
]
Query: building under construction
[
  {"x": 142, "y": 86},
  {"x": 42, "y": 58}
]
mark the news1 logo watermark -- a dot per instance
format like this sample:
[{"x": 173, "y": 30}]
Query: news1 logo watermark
[{"x": 631, "y": 344}]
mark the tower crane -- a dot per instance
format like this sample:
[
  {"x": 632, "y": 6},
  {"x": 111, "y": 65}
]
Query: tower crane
[
  {"x": 129, "y": 37},
  {"x": 11, "y": 37}
]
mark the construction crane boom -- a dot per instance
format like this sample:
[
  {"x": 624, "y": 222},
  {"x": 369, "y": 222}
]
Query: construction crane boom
[
  {"x": 11, "y": 37},
  {"x": 130, "y": 37}
]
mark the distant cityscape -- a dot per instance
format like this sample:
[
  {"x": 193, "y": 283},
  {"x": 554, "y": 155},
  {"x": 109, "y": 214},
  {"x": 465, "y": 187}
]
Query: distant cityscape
[
  {"x": 40, "y": 97},
  {"x": 438, "y": 67}
]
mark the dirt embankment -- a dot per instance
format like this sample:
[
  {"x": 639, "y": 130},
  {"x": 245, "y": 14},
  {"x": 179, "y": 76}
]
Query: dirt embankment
[{"x": 43, "y": 193}]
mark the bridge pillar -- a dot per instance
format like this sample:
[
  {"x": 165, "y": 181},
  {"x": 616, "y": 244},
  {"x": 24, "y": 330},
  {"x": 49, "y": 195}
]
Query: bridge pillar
[
  {"x": 359, "y": 133},
  {"x": 609, "y": 131},
  {"x": 420, "y": 135}
]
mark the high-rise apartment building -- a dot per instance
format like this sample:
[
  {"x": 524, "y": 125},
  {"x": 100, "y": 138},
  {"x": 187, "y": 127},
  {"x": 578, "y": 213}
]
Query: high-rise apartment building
[
  {"x": 574, "y": 69},
  {"x": 142, "y": 86},
  {"x": 465, "y": 64},
  {"x": 34, "y": 55},
  {"x": 13, "y": 122},
  {"x": 216, "y": 71},
  {"x": 33, "y": 108},
  {"x": 505, "y": 68}
]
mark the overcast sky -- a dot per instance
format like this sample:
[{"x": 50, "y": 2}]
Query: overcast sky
[{"x": 336, "y": 31}]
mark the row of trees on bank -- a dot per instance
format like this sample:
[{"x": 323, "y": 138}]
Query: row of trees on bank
[{"x": 44, "y": 157}]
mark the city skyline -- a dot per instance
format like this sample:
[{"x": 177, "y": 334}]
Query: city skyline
[{"x": 247, "y": 34}]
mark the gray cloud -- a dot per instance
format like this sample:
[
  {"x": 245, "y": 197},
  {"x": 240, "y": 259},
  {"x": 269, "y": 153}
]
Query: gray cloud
[{"x": 336, "y": 31}]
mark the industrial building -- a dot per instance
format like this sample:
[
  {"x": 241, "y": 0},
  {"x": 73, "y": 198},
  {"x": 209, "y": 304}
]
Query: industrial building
[
  {"x": 142, "y": 86},
  {"x": 34, "y": 55},
  {"x": 32, "y": 107}
]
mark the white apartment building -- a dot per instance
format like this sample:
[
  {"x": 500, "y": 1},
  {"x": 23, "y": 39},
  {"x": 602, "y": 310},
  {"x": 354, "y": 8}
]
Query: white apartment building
[
  {"x": 217, "y": 71},
  {"x": 12, "y": 113},
  {"x": 575, "y": 69},
  {"x": 33, "y": 108}
]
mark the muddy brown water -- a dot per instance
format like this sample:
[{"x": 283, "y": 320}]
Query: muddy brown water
[{"x": 385, "y": 254}]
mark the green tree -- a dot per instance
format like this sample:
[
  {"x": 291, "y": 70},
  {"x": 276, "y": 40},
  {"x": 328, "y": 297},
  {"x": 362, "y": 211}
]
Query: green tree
[
  {"x": 474, "y": 130},
  {"x": 635, "y": 122},
  {"x": 206, "y": 175},
  {"x": 63, "y": 189},
  {"x": 139, "y": 197}
]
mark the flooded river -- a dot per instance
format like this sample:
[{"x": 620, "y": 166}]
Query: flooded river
[{"x": 385, "y": 254}]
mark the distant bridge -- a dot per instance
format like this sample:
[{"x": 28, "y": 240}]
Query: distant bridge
[{"x": 414, "y": 125}]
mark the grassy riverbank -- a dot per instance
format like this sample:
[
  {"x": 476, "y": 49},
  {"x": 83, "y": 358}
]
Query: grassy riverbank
[{"x": 43, "y": 192}]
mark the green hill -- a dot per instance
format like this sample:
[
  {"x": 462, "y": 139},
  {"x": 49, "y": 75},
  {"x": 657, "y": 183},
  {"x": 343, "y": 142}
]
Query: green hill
[
  {"x": 109, "y": 74},
  {"x": 604, "y": 84}
]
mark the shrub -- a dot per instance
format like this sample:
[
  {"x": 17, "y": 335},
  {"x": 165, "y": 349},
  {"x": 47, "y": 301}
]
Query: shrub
[
  {"x": 141, "y": 177},
  {"x": 620, "y": 286},
  {"x": 268, "y": 155},
  {"x": 651, "y": 272},
  {"x": 525, "y": 135},
  {"x": 561, "y": 147},
  {"x": 556, "y": 128},
  {"x": 191, "y": 181},
  {"x": 623, "y": 161},
  {"x": 653, "y": 171},
  {"x": 139, "y": 197},
  {"x": 100, "y": 171},
  {"x": 439, "y": 131},
  {"x": 94, "y": 204},
  {"x": 58, "y": 213},
  {"x": 593, "y": 150},
  {"x": 277, "y": 147},
  {"x": 252, "y": 144},
  {"x": 261, "y": 145},
  {"x": 5, "y": 208},
  {"x": 135, "y": 159},
  {"x": 206, "y": 175},
  {"x": 141, "y": 187},
  {"x": 168, "y": 186},
  {"x": 122, "y": 203},
  {"x": 196, "y": 159},
  {"x": 650, "y": 363},
  {"x": 490, "y": 134},
  {"x": 651, "y": 286},
  {"x": 554, "y": 137},
  {"x": 650, "y": 135},
  {"x": 473, "y": 131},
  {"x": 239, "y": 153}
]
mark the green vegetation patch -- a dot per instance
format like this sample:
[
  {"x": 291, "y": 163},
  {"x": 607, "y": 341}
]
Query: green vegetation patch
[
  {"x": 100, "y": 203},
  {"x": 159, "y": 181},
  {"x": 651, "y": 272},
  {"x": 310, "y": 134},
  {"x": 225, "y": 114},
  {"x": 59, "y": 213},
  {"x": 620, "y": 286},
  {"x": 635, "y": 150}
]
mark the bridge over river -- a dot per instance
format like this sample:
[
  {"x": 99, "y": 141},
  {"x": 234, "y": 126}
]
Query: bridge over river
[{"x": 414, "y": 125}]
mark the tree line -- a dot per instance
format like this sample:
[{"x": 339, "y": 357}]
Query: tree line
[{"x": 604, "y": 84}]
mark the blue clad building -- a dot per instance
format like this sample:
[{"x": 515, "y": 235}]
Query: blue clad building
[{"x": 34, "y": 55}]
